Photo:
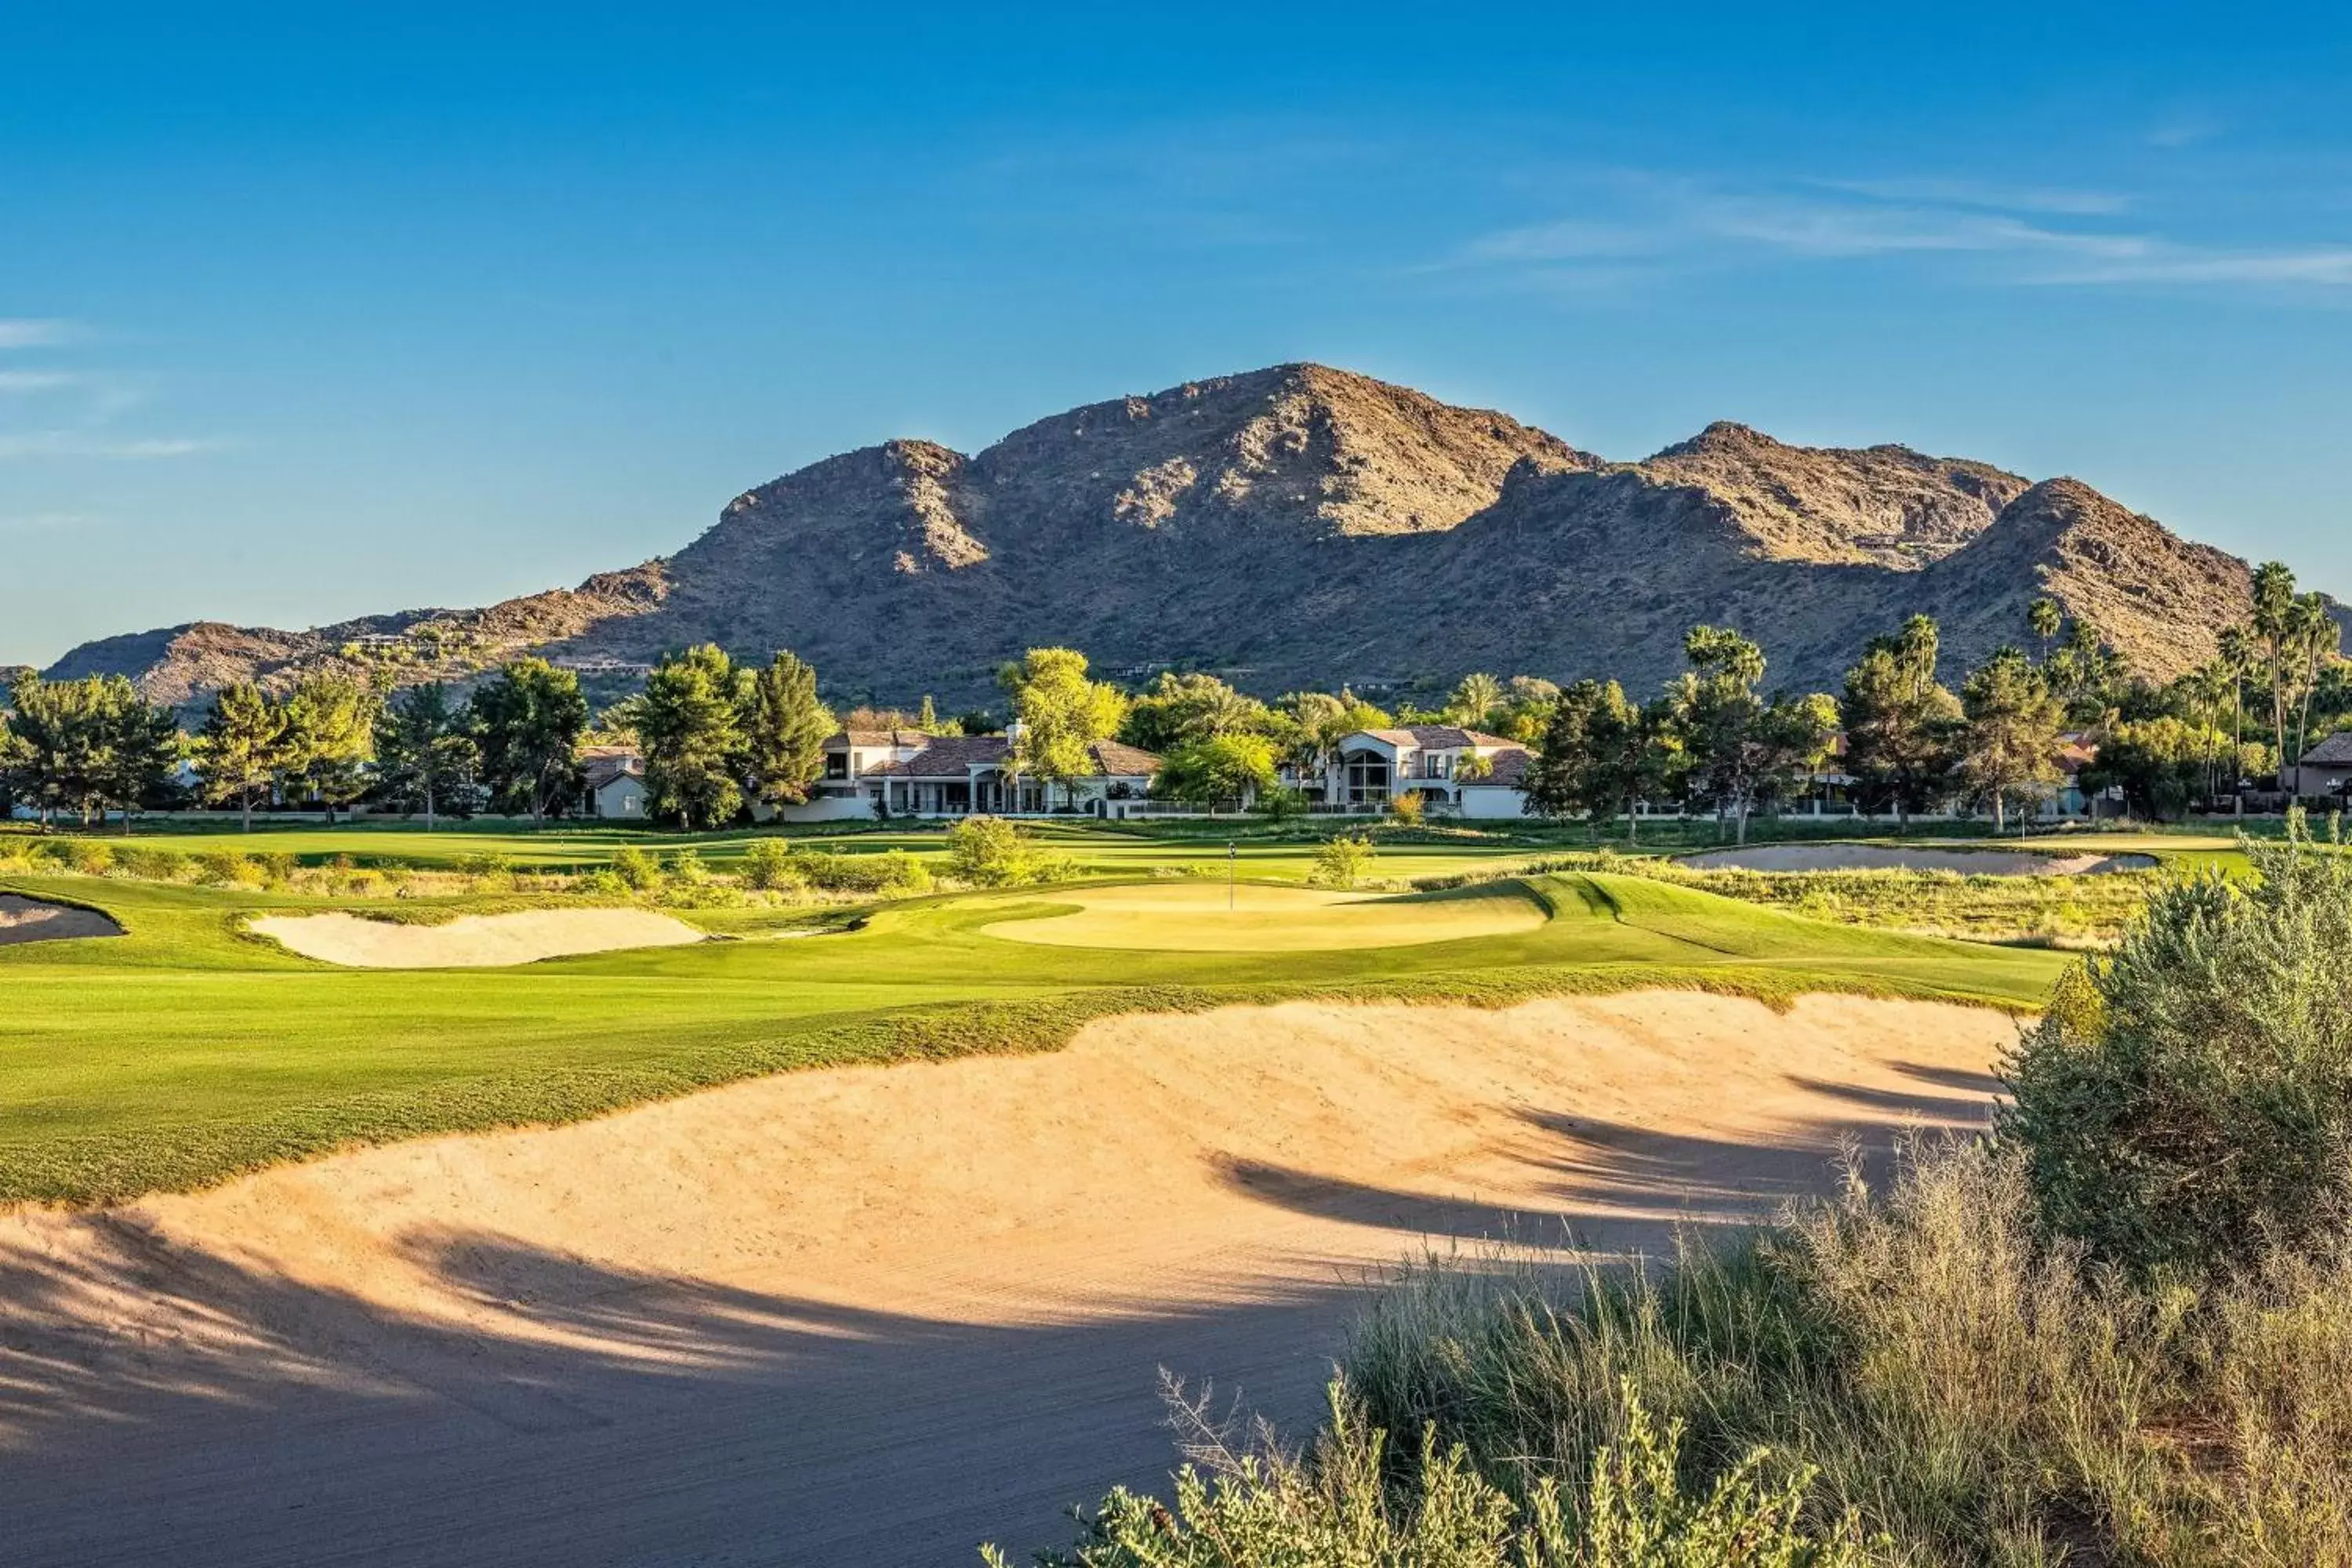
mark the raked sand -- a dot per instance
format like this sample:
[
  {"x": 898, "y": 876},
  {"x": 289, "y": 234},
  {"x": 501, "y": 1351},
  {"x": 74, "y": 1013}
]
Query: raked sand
[
  {"x": 37, "y": 920},
  {"x": 876, "y": 1314},
  {"x": 472, "y": 942}
]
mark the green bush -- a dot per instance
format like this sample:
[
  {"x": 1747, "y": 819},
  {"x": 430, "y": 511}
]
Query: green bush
[
  {"x": 227, "y": 868},
  {"x": 152, "y": 865},
  {"x": 990, "y": 852},
  {"x": 769, "y": 865},
  {"x": 2187, "y": 1102},
  {"x": 639, "y": 870},
  {"x": 483, "y": 865},
  {"x": 602, "y": 884},
  {"x": 893, "y": 871},
  {"x": 1342, "y": 861},
  {"x": 1332, "y": 1505},
  {"x": 90, "y": 858},
  {"x": 277, "y": 867}
]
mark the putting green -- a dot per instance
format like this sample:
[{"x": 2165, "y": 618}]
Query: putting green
[{"x": 1251, "y": 917}]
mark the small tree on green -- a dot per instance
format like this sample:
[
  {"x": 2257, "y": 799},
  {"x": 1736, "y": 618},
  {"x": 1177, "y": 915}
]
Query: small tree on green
[
  {"x": 691, "y": 728},
  {"x": 242, "y": 746},
  {"x": 423, "y": 754},
  {"x": 1062, "y": 714},
  {"x": 527, "y": 722},
  {"x": 784, "y": 727},
  {"x": 2010, "y": 744},
  {"x": 1342, "y": 861}
]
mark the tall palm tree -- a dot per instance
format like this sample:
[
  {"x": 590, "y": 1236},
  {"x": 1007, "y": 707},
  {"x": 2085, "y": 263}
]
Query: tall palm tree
[
  {"x": 2044, "y": 617},
  {"x": 2238, "y": 658},
  {"x": 2317, "y": 638},
  {"x": 2275, "y": 623}
]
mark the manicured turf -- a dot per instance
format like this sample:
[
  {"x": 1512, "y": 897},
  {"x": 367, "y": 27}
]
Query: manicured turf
[
  {"x": 1193, "y": 916},
  {"x": 184, "y": 1051}
]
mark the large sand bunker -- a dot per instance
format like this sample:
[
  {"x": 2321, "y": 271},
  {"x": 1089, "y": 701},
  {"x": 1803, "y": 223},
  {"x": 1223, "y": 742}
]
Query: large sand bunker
[
  {"x": 472, "y": 942},
  {"x": 35, "y": 919},
  {"x": 872, "y": 1315},
  {"x": 1216, "y": 917},
  {"x": 1895, "y": 858}
]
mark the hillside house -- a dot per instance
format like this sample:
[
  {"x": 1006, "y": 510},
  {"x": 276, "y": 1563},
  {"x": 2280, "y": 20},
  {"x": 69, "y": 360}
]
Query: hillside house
[{"x": 1465, "y": 772}]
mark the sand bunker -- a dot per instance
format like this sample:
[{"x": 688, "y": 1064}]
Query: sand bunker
[
  {"x": 751, "y": 1324},
  {"x": 1210, "y": 917},
  {"x": 1892, "y": 857},
  {"x": 33, "y": 920},
  {"x": 472, "y": 942}
]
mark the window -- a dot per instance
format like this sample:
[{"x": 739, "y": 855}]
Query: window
[{"x": 836, "y": 764}]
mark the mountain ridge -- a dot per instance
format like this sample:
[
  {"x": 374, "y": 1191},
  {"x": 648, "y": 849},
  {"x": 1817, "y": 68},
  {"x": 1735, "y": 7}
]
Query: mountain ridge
[{"x": 1305, "y": 526}]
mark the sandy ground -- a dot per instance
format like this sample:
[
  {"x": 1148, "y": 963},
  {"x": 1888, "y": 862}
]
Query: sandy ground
[
  {"x": 871, "y": 1315},
  {"x": 473, "y": 941},
  {"x": 1887, "y": 858},
  {"x": 1212, "y": 917},
  {"x": 32, "y": 920}
]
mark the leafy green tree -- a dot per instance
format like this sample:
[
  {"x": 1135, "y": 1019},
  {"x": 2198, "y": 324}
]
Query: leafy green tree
[
  {"x": 1902, "y": 727},
  {"x": 424, "y": 755},
  {"x": 1237, "y": 767},
  {"x": 1178, "y": 710},
  {"x": 784, "y": 727},
  {"x": 1062, "y": 714},
  {"x": 330, "y": 739},
  {"x": 691, "y": 726},
  {"x": 527, "y": 722},
  {"x": 2009, "y": 748},
  {"x": 1342, "y": 861},
  {"x": 1715, "y": 711},
  {"x": 242, "y": 746},
  {"x": 1599, "y": 754},
  {"x": 1526, "y": 708}
]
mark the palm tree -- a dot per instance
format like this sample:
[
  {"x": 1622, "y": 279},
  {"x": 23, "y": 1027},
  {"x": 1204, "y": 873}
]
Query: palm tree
[
  {"x": 2237, "y": 659},
  {"x": 2275, "y": 624},
  {"x": 2317, "y": 638},
  {"x": 2044, "y": 617}
]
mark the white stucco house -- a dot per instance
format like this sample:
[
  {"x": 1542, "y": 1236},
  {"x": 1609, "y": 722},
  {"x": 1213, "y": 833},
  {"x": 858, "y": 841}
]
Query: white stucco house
[
  {"x": 1464, "y": 773},
  {"x": 963, "y": 775},
  {"x": 844, "y": 790}
]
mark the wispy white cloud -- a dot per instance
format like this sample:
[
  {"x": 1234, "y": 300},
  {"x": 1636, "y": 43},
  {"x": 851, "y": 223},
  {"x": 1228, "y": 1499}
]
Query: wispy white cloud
[
  {"x": 51, "y": 522},
  {"x": 23, "y": 382},
  {"x": 33, "y": 332},
  {"x": 28, "y": 444},
  {"x": 2025, "y": 235}
]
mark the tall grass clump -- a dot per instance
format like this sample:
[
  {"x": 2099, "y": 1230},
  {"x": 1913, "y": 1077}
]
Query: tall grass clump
[{"x": 2187, "y": 1103}]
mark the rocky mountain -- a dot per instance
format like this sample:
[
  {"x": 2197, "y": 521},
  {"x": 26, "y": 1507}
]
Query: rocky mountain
[{"x": 1305, "y": 526}]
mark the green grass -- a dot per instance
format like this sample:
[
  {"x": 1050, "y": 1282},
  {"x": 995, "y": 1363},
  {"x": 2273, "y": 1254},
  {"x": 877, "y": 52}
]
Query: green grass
[{"x": 185, "y": 1051}]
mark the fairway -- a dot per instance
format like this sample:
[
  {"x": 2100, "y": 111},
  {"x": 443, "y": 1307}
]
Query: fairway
[
  {"x": 185, "y": 1050},
  {"x": 1200, "y": 917}
]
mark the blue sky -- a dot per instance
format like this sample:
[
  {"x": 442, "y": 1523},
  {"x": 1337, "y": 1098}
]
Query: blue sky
[{"x": 310, "y": 312}]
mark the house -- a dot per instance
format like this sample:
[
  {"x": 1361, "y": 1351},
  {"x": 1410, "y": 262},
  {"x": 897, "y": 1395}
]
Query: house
[
  {"x": 614, "y": 782},
  {"x": 842, "y": 791},
  {"x": 960, "y": 775},
  {"x": 1467, "y": 772},
  {"x": 2325, "y": 770}
]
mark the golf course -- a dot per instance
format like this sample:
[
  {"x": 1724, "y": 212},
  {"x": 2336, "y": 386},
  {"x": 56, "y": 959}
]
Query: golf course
[{"x": 705, "y": 1224}]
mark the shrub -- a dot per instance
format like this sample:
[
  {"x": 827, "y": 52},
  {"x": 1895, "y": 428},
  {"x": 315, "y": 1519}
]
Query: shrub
[
  {"x": 1341, "y": 862},
  {"x": 276, "y": 867},
  {"x": 1407, "y": 809},
  {"x": 892, "y": 872},
  {"x": 639, "y": 870},
  {"x": 686, "y": 866},
  {"x": 2187, "y": 1102},
  {"x": 227, "y": 868},
  {"x": 90, "y": 858},
  {"x": 484, "y": 865},
  {"x": 602, "y": 884},
  {"x": 990, "y": 852},
  {"x": 152, "y": 865},
  {"x": 770, "y": 866},
  {"x": 1332, "y": 1505}
]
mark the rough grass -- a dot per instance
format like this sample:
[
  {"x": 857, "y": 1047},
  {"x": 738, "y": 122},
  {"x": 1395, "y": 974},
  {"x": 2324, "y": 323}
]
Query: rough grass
[
  {"x": 184, "y": 1052},
  {"x": 1915, "y": 1364}
]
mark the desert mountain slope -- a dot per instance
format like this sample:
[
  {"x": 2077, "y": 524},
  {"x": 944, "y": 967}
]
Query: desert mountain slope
[{"x": 1308, "y": 526}]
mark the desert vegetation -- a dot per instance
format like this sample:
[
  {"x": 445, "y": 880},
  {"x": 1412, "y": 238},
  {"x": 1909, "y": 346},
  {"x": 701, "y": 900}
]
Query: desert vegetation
[{"x": 2115, "y": 1331}]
